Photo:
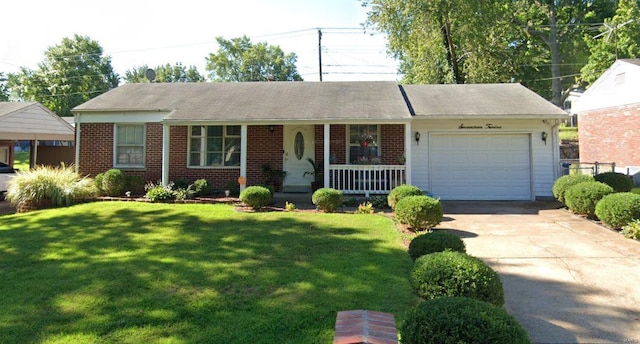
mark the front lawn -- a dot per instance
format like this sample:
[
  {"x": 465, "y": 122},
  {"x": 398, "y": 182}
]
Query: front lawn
[
  {"x": 126, "y": 272},
  {"x": 21, "y": 161},
  {"x": 636, "y": 190}
]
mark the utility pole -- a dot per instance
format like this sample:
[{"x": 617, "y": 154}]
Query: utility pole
[{"x": 320, "y": 52}]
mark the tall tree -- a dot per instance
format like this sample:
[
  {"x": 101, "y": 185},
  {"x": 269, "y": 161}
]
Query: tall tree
[
  {"x": 555, "y": 29},
  {"x": 4, "y": 91},
  {"x": 72, "y": 72},
  {"x": 240, "y": 60},
  {"x": 618, "y": 38},
  {"x": 165, "y": 73},
  {"x": 447, "y": 41}
]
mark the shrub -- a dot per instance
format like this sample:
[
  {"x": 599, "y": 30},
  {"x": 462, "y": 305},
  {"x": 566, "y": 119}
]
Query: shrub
[
  {"x": 113, "y": 182},
  {"x": 419, "y": 212},
  {"x": 159, "y": 192},
  {"x": 181, "y": 194},
  {"x": 618, "y": 181},
  {"x": 98, "y": 183},
  {"x": 365, "y": 208},
  {"x": 402, "y": 191},
  {"x": 460, "y": 320},
  {"x": 201, "y": 187},
  {"x": 632, "y": 230},
  {"x": 435, "y": 242},
  {"x": 618, "y": 209},
  {"x": 134, "y": 183},
  {"x": 451, "y": 273},
  {"x": 289, "y": 206},
  {"x": 379, "y": 202},
  {"x": 61, "y": 186},
  {"x": 582, "y": 198},
  {"x": 350, "y": 202},
  {"x": 563, "y": 183},
  {"x": 327, "y": 199},
  {"x": 180, "y": 184},
  {"x": 256, "y": 197}
]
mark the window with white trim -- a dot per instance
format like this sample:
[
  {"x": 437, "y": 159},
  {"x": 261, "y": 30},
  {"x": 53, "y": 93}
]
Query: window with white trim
[
  {"x": 129, "y": 145},
  {"x": 214, "y": 146},
  {"x": 363, "y": 143}
]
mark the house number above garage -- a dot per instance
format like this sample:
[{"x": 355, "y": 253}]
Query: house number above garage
[{"x": 486, "y": 126}]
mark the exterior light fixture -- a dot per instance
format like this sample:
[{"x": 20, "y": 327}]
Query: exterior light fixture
[
  {"x": 544, "y": 136},
  {"x": 417, "y": 136},
  {"x": 271, "y": 129}
]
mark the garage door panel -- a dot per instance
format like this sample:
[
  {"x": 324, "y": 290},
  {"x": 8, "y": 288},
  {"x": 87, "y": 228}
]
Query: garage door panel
[{"x": 480, "y": 167}]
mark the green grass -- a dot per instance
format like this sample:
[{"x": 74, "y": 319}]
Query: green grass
[
  {"x": 125, "y": 272},
  {"x": 636, "y": 190},
  {"x": 21, "y": 161},
  {"x": 569, "y": 133}
]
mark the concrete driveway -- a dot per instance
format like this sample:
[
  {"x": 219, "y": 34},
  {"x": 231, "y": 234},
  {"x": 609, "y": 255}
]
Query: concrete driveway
[{"x": 566, "y": 279}]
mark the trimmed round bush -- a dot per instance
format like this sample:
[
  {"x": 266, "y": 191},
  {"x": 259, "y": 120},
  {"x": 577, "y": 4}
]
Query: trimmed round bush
[
  {"x": 98, "y": 182},
  {"x": 460, "y": 320},
  {"x": 435, "y": 242},
  {"x": 563, "y": 183},
  {"x": 618, "y": 181},
  {"x": 582, "y": 198},
  {"x": 419, "y": 212},
  {"x": 618, "y": 209},
  {"x": 327, "y": 199},
  {"x": 201, "y": 187},
  {"x": 256, "y": 196},
  {"x": 113, "y": 182},
  {"x": 451, "y": 273},
  {"x": 402, "y": 191}
]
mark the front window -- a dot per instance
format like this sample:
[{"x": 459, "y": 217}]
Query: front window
[
  {"x": 129, "y": 145},
  {"x": 214, "y": 146},
  {"x": 363, "y": 143}
]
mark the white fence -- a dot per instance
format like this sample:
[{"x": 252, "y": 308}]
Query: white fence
[{"x": 366, "y": 179}]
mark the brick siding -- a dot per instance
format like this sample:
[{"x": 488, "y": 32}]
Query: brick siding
[{"x": 611, "y": 135}]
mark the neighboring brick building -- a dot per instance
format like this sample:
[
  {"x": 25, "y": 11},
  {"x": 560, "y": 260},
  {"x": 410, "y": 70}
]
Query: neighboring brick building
[
  {"x": 609, "y": 117},
  {"x": 494, "y": 141}
]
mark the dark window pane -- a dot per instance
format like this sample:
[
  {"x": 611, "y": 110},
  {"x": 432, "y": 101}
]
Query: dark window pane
[
  {"x": 196, "y": 131},
  {"x": 233, "y": 130},
  {"x": 214, "y": 145},
  {"x": 214, "y": 131}
]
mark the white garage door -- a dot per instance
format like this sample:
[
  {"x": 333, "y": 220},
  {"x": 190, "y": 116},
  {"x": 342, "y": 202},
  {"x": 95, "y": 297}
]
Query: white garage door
[{"x": 480, "y": 167}]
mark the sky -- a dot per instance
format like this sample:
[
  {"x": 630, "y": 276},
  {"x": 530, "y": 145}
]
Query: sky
[{"x": 139, "y": 32}]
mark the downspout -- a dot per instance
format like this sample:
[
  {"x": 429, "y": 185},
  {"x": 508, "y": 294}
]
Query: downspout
[
  {"x": 76, "y": 121},
  {"x": 165, "y": 154},
  {"x": 326, "y": 142}
]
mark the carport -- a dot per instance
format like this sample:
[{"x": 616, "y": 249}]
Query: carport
[{"x": 29, "y": 121}]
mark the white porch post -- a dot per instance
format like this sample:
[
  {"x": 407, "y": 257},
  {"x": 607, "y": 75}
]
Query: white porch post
[
  {"x": 407, "y": 151},
  {"x": 76, "y": 120},
  {"x": 327, "y": 137},
  {"x": 243, "y": 154},
  {"x": 165, "y": 153}
]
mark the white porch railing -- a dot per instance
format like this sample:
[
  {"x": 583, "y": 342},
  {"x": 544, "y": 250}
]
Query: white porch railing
[{"x": 366, "y": 179}]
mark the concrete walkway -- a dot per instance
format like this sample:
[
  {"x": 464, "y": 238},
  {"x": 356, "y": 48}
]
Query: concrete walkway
[{"x": 566, "y": 279}]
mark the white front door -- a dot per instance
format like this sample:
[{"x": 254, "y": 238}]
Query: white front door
[{"x": 299, "y": 146}]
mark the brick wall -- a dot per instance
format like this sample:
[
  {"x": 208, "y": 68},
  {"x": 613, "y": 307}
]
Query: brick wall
[
  {"x": 611, "y": 135},
  {"x": 263, "y": 147},
  {"x": 391, "y": 143},
  {"x": 96, "y": 148}
]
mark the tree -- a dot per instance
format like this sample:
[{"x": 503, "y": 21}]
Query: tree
[
  {"x": 165, "y": 73},
  {"x": 4, "y": 91},
  {"x": 240, "y": 60},
  {"x": 618, "y": 38},
  {"x": 448, "y": 41},
  {"x": 72, "y": 73}
]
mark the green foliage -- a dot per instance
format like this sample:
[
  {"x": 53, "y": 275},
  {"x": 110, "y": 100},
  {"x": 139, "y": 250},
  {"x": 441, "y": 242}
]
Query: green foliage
[
  {"x": 256, "y": 197},
  {"x": 180, "y": 183},
  {"x": 98, "y": 183},
  {"x": 619, "y": 39},
  {"x": 134, "y": 183},
  {"x": 379, "y": 201},
  {"x": 113, "y": 182},
  {"x": 582, "y": 198},
  {"x": 563, "y": 183},
  {"x": 327, "y": 199},
  {"x": 460, "y": 320},
  {"x": 61, "y": 186},
  {"x": 4, "y": 90},
  {"x": 350, "y": 202},
  {"x": 233, "y": 187},
  {"x": 435, "y": 242},
  {"x": 201, "y": 187},
  {"x": 452, "y": 273},
  {"x": 632, "y": 230},
  {"x": 159, "y": 192},
  {"x": 240, "y": 60},
  {"x": 419, "y": 212},
  {"x": 401, "y": 191},
  {"x": 365, "y": 208},
  {"x": 289, "y": 206},
  {"x": 72, "y": 72},
  {"x": 618, "y": 209},
  {"x": 164, "y": 73},
  {"x": 618, "y": 181}
]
